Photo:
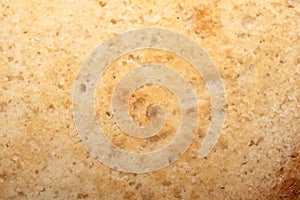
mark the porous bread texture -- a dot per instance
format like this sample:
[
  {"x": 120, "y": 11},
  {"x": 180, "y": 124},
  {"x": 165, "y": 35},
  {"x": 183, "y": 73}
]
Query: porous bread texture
[{"x": 255, "y": 46}]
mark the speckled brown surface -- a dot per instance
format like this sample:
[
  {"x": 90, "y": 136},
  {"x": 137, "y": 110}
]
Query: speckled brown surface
[{"x": 255, "y": 47}]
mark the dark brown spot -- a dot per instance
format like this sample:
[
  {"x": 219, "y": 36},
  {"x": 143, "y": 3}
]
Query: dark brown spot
[
  {"x": 138, "y": 186},
  {"x": 102, "y": 3},
  {"x": 166, "y": 183},
  {"x": 113, "y": 21},
  {"x": 51, "y": 107},
  {"x": 21, "y": 194},
  {"x": 10, "y": 59},
  {"x": 82, "y": 196},
  {"x": 251, "y": 143},
  {"x": 140, "y": 101},
  {"x": 154, "y": 111},
  {"x": 108, "y": 113},
  {"x": 82, "y": 88}
]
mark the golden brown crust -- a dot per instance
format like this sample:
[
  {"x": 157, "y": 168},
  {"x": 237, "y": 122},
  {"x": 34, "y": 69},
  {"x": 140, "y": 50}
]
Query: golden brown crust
[{"x": 255, "y": 46}]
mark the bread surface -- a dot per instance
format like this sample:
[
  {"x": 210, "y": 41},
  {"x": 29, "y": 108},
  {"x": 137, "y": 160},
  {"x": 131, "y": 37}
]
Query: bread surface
[{"x": 255, "y": 47}]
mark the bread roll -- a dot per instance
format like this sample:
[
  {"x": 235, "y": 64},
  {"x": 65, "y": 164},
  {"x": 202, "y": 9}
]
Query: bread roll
[{"x": 255, "y": 48}]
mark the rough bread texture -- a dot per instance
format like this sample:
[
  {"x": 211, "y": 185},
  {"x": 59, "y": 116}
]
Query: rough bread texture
[{"x": 255, "y": 46}]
